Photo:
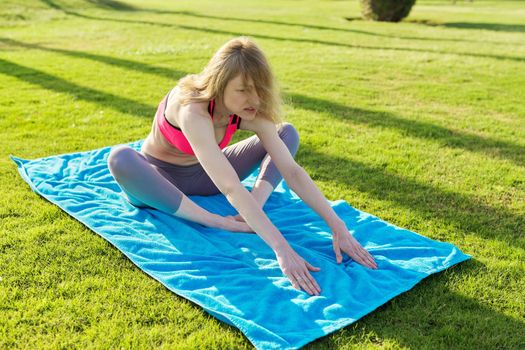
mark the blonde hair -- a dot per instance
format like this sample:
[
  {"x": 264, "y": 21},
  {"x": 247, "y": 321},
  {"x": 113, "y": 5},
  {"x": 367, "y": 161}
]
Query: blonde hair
[{"x": 240, "y": 55}]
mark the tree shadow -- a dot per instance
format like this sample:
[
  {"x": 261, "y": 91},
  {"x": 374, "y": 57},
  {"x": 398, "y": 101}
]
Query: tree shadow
[
  {"x": 53, "y": 5},
  {"x": 449, "y": 138},
  {"x": 111, "y": 4},
  {"x": 297, "y": 40},
  {"x": 353, "y": 18},
  {"x": 438, "y": 317},
  {"x": 496, "y": 27},
  {"x": 309, "y": 26},
  {"x": 420, "y": 129},
  {"x": 57, "y": 84},
  {"x": 113, "y": 61},
  {"x": 105, "y": 4},
  {"x": 469, "y": 214},
  {"x": 428, "y": 22}
]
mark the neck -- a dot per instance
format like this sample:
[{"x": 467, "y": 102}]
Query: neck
[{"x": 220, "y": 114}]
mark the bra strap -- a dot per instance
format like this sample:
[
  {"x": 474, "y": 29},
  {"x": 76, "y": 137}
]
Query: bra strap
[
  {"x": 211, "y": 108},
  {"x": 234, "y": 118}
]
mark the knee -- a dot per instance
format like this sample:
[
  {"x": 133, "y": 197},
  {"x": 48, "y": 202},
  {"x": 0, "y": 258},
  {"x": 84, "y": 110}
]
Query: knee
[
  {"x": 290, "y": 136},
  {"x": 287, "y": 130},
  {"x": 121, "y": 159}
]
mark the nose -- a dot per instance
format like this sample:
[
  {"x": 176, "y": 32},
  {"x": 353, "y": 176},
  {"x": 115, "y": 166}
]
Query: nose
[{"x": 255, "y": 100}]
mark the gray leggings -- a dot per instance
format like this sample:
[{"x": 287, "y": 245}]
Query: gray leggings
[{"x": 150, "y": 182}]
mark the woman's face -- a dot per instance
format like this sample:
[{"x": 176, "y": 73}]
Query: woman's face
[{"x": 239, "y": 96}]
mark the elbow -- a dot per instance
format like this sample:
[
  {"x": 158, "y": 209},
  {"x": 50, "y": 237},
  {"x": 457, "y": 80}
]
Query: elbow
[
  {"x": 229, "y": 190},
  {"x": 296, "y": 172}
]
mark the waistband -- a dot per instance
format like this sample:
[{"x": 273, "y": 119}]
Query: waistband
[{"x": 163, "y": 164}]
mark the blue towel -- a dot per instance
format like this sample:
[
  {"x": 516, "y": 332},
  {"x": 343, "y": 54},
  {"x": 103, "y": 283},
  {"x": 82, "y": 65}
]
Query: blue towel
[{"x": 235, "y": 276}]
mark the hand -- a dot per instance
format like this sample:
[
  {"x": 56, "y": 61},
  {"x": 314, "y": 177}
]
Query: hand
[
  {"x": 343, "y": 241},
  {"x": 296, "y": 269},
  {"x": 237, "y": 217},
  {"x": 231, "y": 224}
]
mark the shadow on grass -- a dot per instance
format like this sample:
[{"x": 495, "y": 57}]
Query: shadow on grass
[
  {"x": 420, "y": 129},
  {"x": 105, "y": 4},
  {"x": 432, "y": 316},
  {"x": 309, "y": 26},
  {"x": 111, "y": 5},
  {"x": 268, "y": 37},
  {"x": 471, "y": 215},
  {"x": 52, "y": 83},
  {"x": 468, "y": 214},
  {"x": 113, "y": 61},
  {"x": 115, "y": 5},
  {"x": 497, "y": 27}
]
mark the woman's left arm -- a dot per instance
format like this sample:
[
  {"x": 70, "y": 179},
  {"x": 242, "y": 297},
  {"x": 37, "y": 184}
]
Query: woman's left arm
[{"x": 303, "y": 185}]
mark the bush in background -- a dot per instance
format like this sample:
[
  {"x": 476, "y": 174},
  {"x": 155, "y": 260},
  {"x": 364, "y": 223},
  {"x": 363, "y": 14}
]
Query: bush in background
[{"x": 386, "y": 10}]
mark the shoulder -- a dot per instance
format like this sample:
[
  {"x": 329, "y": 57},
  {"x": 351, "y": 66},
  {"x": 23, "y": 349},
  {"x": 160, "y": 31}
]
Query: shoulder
[
  {"x": 260, "y": 126},
  {"x": 195, "y": 116},
  {"x": 178, "y": 114}
]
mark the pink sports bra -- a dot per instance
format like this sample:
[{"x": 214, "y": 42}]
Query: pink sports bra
[{"x": 175, "y": 136}]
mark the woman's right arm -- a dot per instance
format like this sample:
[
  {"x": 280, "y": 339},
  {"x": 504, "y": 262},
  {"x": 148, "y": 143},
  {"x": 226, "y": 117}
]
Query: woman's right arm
[
  {"x": 198, "y": 129},
  {"x": 293, "y": 266}
]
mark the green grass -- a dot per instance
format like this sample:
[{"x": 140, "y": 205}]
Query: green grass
[{"x": 421, "y": 123}]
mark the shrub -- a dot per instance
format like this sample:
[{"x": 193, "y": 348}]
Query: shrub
[{"x": 386, "y": 10}]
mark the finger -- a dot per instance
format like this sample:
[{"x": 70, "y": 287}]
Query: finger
[
  {"x": 370, "y": 258},
  {"x": 367, "y": 257},
  {"x": 358, "y": 256},
  {"x": 307, "y": 286},
  {"x": 303, "y": 283},
  {"x": 366, "y": 260},
  {"x": 295, "y": 282},
  {"x": 337, "y": 250},
  {"x": 338, "y": 256},
  {"x": 311, "y": 268},
  {"x": 247, "y": 228},
  {"x": 311, "y": 283},
  {"x": 359, "y": 252},
  {"x": 240, "y": 227}
]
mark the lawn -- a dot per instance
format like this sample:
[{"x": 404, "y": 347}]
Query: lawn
[{"x": 421, "y": 123}]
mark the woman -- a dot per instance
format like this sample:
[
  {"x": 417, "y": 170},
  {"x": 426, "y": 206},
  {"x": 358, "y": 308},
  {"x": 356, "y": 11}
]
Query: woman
[{"x": 186, "y": 154}]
